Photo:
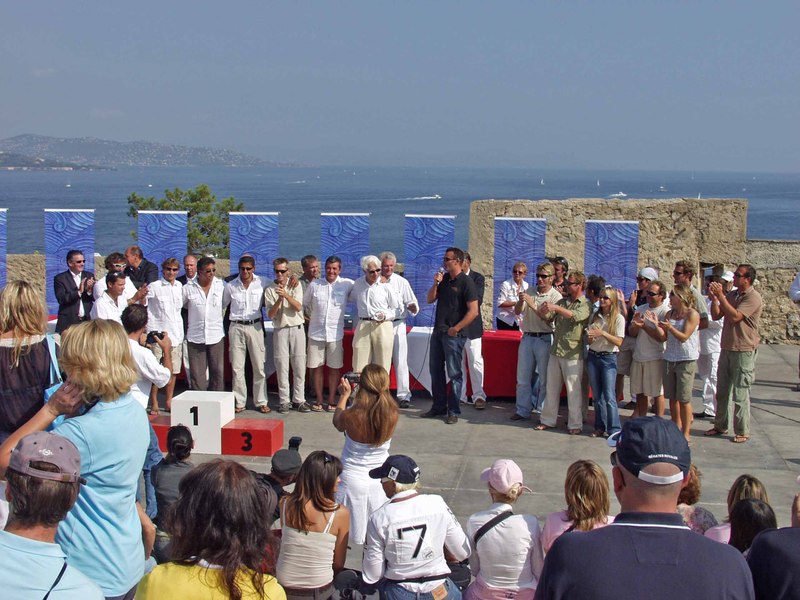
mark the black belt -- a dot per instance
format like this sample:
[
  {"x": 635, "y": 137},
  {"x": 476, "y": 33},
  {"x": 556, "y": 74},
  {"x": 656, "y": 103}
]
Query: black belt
[
  {"x": 538, "y": 333},
  {"x": 397, "y": 320},
  {"x": 601, "y": 353},
  {"x": 253, "y": 322},
  {"x": 373, "y": 320}
]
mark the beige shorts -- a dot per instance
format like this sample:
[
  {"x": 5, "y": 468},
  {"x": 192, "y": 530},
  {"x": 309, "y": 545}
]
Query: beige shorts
[
  {"x": 679, "y": 379},
  {"x": 176, "y": 355},
  {"x": 330, "y": 354},
  {"x": 647, "y": 378}
]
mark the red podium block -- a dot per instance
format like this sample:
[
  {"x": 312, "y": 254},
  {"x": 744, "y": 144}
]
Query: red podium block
[
  {"x": 252, "y": 437},
  {"x": 161, "y": 425}
]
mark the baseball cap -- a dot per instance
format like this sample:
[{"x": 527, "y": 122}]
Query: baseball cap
[
  {"x": 649, "y": 273},
  {"x": 503, "y": 475},
  {"x": 50, "y": 448},
  {"x": 727, "y": 276},
  {"x": 649, "y": 440},
  {"x": 286, "y": 462},
  {"x": 399, "y": 468}
]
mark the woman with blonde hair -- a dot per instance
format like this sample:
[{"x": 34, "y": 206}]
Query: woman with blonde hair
[
  {"x": 24, "y": 355},
  {"x": 315, "y": 530},
  {"x": 588, "y": 503},
  {"x": 745, "y": 486},
  {"x": 102, "y": 534},
  {"x": 368, "y": 426},
  {"x": 681, "y": 331},
  {"x": 507, "y": 555},
  {"x": 606, "y": 332}
]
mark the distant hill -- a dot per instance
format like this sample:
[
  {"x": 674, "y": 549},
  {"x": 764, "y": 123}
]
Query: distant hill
[
  {"x": 108, "y": 153},
  {"x": 10, "y": 161}
]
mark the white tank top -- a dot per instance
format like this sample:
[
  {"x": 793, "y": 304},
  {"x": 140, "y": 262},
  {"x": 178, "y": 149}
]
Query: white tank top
[
  {"x": 676, "y": 350},
  {"x": 306, "y": 558}
]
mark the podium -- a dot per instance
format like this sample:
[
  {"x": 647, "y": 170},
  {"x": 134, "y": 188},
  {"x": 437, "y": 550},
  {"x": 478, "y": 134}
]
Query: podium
[{"x": 211, "y": 418}]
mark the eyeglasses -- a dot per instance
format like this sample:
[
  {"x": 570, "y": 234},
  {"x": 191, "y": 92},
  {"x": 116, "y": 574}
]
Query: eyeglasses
[
  {"x": 676, "y": 273},
  {"x": 171, "y": 268},
  {"x": 542, "y": 276},
  {"x": 119, "y": 266},
  {"x": 281, "y": 271},
  {"x": 652, "y": 294},
  {"x": 517, "y": 272},
  {"x": 373, "y": 271},
  {"x": 245, "y": 268},
  {"x": 79, "y": 262}
]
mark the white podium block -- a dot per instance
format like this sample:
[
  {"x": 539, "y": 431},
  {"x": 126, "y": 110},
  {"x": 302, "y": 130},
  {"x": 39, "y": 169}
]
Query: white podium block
[{"x": 205, "y": 414}]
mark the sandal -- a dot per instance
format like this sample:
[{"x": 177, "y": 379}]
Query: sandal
[
  {"x": 596, "y": 433},
  {"x": 740, "y": 439},
  {"x": 542, "y": 427},
  {"x": 328, "y": 408},
  {"x": 714, "y": 432},
  {"x": 316, "y": 408},
  {"x": 239, "y": 409},
  {"x": 264, "y": 409},
  {"x": 574, "y": 431}
]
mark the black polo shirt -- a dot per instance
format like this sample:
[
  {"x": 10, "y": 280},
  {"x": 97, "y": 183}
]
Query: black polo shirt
[{"x": 452, "y": 298}]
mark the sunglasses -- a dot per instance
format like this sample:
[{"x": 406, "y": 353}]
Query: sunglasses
[
  {"x": 79, "y": 262},
  {"x": 373, "y": 271},
  {"x": 652, "y": 294},
  {"x": 679, "y": 273},
  {"x": 171, "y": 268},
  {"x": 281, "y": 271},
  {"x": 119, "y": 266},
  {"x": 641, "y": 279},
  {"x": 603, "y": 298},
  {"x": 245, "y": 268},
  {"x": 516, "y": 272},
  {"x": 542, "y": 276}
]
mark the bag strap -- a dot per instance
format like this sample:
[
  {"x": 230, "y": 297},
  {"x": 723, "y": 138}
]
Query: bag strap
[
  {"x": 484, "y": 529},
  {"x": 55, "y": 583},
  {"x": 55, "y": 372}
]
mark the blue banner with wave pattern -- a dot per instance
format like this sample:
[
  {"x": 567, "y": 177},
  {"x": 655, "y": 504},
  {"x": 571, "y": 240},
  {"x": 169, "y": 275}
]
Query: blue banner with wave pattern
[
  {"x": 517, "y": 240},
  {"x": 346, "y": 236},
  {"x": 612, "y": 250},
  {"x": 162, "y": 235},
  {"x": 257, "y": 235},
  {"x": 65, "y": 230},
  {"x": 426, "y": 239},
  {"x": 3, "y": 247}
]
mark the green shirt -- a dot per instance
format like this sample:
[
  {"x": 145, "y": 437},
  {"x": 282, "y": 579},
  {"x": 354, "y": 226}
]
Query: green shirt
[{"x": 568, "y": 334}]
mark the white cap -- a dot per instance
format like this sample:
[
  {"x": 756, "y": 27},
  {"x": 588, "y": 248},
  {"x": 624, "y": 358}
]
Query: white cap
[{"x": 649, "y": 273}]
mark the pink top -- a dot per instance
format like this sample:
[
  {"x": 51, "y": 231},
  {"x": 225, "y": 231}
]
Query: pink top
[
  {"x": 720, "y": 533},
  {"x": 558, "y": 523}
]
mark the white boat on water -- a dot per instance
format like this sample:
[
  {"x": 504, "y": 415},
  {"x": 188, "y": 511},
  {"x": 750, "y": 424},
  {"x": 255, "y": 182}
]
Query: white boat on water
[
  {"x": 541, "y": 182},
  {"x": 618, "y": 195}
]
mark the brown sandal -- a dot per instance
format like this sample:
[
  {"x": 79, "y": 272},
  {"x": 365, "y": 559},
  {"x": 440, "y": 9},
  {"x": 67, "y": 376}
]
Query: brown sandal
[
  {"x": 542, "y": 427},
  {"x": 239, "y": 409},
  {"x": 264, "y": 409},
  {"x": 740, "y": 439},
  {"x": 714, "y": 432}
]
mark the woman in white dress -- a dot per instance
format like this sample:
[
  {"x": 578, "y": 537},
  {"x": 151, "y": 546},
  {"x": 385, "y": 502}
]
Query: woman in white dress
[
  {"x": 508, "y": 297},
  {"x": 368, "y": 426}
]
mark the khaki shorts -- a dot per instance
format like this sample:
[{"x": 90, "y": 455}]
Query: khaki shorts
[
  {"x": 679, "y": 379},
  {"x": 647, "y": 378},
  {"x": 330, "y": 354},
  {"x": 176, "y": 355}
]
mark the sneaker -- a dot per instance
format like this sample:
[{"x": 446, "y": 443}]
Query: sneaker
[
  {"x": 404, "y": 404},
  {"x": 284, "y": 408},
  {"x": 480, "y": 404},
  {"x": 451, "y": 419},
  {"x": 303, "y": 407}
]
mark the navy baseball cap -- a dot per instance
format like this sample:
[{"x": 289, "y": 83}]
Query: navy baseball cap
[
  {"x": 650, "y": 440},
  {"x": 398, "y": 468}
]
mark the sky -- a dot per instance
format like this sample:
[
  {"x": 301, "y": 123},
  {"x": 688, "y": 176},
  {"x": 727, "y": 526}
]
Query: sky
[{"x": 651, "y": 85}]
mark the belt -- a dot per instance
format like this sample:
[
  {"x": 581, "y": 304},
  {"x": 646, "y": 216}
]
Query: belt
[
  {"x": 601, "y": 353},
  {"x": 538, "y": 333},
  {"x": 290, "y": 327},
  {"x": 373, "y": 320},
  {"x": 252, "y": 322},
  {"x": 308, "y": 591},
  {"x": 397, "y": 320}
]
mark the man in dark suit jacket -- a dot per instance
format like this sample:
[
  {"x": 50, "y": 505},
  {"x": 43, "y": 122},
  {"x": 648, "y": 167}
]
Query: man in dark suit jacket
[
  {"x": 73, "y": 289},
  {"x": 140, "y": 270},
  {"x": 473, "y": 347}
]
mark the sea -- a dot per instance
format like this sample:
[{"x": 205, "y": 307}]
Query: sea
[{"x": 300, "y": 194}]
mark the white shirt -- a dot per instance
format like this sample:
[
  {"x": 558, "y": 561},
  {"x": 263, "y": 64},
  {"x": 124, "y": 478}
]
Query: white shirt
[
  {"x": 402, "y": 288},
  {"x": 510, "y": 291},
  {"x": 405, "y": 539},
  {"x": 372, "y": 300},
  {"x": 106, "y": 308},
  {"x": 76, "y": 277},
  {"x": 326, "y": 303},
  {"x": 100, "y": 286},
  {"x": 151, "y": 372},
  {"x": 646, "y": 347},
  {"x": 509, "y": 555},
  {"x": 245, "y": 302},
  {"x": 794, "y": 289},
  {"x": 711, "y": 336},
  {"x": 164, "y": 303},
  {"x": 205, "y": 312}
]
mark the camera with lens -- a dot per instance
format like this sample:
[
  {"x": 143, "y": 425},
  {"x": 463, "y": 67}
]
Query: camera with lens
[
  {"x": 352, "y": 378},
  {"x": 151, "y": 337}
]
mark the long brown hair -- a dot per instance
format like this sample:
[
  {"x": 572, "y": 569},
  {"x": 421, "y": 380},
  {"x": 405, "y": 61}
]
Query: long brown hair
[
  {"x": 219, "y": 518},
  {"x": 374, "y": 412},
  {"x": 586, "y": 492},
  {"x": 316, "y": 483},
  {"x": 22, "y": 312}
]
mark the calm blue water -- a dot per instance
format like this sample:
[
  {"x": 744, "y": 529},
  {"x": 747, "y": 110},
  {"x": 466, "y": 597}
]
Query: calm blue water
[{"x": 300, "y": 194}]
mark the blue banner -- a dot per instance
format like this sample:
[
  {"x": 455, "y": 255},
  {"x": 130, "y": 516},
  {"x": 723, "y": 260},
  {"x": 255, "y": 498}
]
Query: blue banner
[
  {"x": 426, "y": 239},
  {"x": 254, "y": 233},
  {"x": 346, "y": 236},
  {"x": 3, "y": 247},
  {"x": 515, "y": 240},
  {"x": 162, "y": 234},
  {"x": 612, "y": 250},
  {"x": 65, "y": 230}
]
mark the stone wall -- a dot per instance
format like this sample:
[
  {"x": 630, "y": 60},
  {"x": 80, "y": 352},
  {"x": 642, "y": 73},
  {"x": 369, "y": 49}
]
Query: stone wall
[{"x": 707, "y": 231}]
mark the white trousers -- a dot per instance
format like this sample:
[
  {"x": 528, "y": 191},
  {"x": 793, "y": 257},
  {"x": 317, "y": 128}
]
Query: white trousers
[
  {"x": 244, "y": 340},
  {"x": 707, "y": 370},
  {"x": 473, "y": 360},
  {"x": 400, "y": 360},
  {"x": 289, "y": 349}
]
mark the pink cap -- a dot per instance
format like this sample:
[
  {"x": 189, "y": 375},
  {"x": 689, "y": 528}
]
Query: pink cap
[{"x": 503, "y": 475}]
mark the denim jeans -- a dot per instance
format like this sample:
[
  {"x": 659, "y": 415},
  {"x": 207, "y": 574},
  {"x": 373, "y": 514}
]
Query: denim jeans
[
  {"x": 534, "y": 352},
  {"x": 446, "y": 352},
  {"x": 392, "y": 591},
  {"x": 152, "y": 458},
  {"x": 603, "y": 378}
]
